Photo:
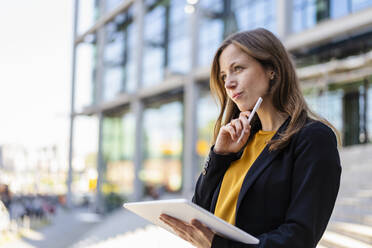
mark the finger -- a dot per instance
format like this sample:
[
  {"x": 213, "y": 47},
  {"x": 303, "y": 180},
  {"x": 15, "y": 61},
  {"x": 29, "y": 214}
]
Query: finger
[
  {"x": 244, "y": 135},
  {"x": 180, "y": 230},
  {"x": 245, "y": 123},
  {"x": 165, "y": 218},
  {"x": 238, "y": 126},
  {"x": 246, "y": 130},
  {"x": 169, "y": 218},
  {"x": 166, "y": 221},
  {"x": 177, "y": 223},
  {"x": 173, "y": 220},
  {"x": 200, "y": 226},
  {"x": 184, "y": 232},
  {"x": 231, "y": 131},
  {"x": 205, "y": 233},
  {"x": 245, "y": 113},
  {"x": 169, "y": 223},
  {"x": 184, "y": 237}
]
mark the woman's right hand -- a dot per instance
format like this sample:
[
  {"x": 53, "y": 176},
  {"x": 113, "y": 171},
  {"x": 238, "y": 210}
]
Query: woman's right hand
[{"x": 230, "y": 133}]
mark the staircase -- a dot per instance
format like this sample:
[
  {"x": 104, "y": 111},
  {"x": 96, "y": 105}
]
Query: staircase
[{"x": 351, "y": 222}]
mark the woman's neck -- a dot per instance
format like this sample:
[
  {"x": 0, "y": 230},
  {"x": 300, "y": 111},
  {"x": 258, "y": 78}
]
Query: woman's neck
[{"x": 271, "y": 119}]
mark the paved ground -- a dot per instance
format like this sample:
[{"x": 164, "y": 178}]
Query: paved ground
[
  {"x": 124, "y": 229},
  {"x": 79, "y": 228},
  {"x": 66, "y": 228},
  {"x": 118, "y": 223}
]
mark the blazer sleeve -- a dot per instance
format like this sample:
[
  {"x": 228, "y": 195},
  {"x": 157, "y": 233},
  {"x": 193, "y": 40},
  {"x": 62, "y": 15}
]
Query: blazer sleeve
[
  {"x": 213, "y": 172},
  {"x": 314, "y": 188}
]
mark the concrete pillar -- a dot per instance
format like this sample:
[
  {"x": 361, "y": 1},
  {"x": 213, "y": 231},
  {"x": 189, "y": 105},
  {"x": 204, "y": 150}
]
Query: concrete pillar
[
  {"x": 139, "y": 22},
  {"x": 100, "y": 205},
  {"x": 137, "y": 109},
  {"x": 100, "y": 208},
  {"x": 284, "y": 12},
  {"x": 72, "y": 109},
  {"x": 190, "y": 165},
  {"x": 191, "y": 95},
  {"x": 136, "y": 104}
]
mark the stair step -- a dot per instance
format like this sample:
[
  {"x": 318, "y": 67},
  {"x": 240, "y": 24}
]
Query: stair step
[
  {"x": 354, "y": 204},
  {"x": 353, "y": 218},
  {"x": 367, "y": 219},
  {"x": 333, "y": 239},
  {"x": 365, "y": 193},
  {"x": 321, "y": 246},
  {"x": 357, "y": 231}
]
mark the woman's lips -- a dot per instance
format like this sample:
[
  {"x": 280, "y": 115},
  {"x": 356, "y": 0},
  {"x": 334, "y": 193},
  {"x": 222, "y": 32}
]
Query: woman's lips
[{"x": 237, "y": 95}]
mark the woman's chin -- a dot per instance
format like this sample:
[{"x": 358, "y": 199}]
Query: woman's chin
[{"x": 245, "y": 107}]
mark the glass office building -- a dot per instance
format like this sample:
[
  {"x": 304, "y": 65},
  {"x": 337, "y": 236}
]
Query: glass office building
[{"x": 141, "y": 74}]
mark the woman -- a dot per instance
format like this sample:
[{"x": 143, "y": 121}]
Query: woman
[{"x": 280, "y": 181}]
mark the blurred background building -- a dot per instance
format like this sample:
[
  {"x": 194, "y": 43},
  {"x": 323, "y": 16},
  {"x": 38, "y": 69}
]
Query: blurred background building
[
  {"x": 142, "y": 114},
  {"x": 18, "y": 165}
]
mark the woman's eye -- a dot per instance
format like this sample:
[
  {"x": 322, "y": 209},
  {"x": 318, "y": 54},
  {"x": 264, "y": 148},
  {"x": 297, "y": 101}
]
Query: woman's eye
[
  {"x": 223, "y": 77},
  {"x": 238, "y": 68}
]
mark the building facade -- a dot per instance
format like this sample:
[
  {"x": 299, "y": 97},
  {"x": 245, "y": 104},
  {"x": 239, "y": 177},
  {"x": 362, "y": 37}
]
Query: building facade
[{"x": 142, "y": 115}]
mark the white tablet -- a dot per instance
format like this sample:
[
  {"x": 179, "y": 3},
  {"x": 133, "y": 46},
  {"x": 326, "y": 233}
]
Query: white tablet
[{"x": 186, "y": 210}]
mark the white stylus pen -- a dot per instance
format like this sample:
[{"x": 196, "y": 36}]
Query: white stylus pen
[{"x": 258, "y": 103}]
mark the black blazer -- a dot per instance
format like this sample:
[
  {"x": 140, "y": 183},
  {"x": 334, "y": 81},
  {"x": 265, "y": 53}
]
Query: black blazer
[{"x": 287, "y": 196}]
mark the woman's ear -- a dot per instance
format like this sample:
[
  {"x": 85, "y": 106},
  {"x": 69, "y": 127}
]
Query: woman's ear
[{"x": 271, "y": 74}]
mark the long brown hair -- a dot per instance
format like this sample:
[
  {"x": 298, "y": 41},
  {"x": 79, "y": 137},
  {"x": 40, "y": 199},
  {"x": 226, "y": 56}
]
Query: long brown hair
[{"x": 287, "y": 97}]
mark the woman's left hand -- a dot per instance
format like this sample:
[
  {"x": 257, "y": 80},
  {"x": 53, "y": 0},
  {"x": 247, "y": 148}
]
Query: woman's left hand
[{"x": 194, "y": 232}]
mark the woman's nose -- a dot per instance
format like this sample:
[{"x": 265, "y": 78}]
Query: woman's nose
[{"x": 230, "y": 82}]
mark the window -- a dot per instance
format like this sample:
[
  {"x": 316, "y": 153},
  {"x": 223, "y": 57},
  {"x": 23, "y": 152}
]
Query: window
[
  {"x": 351, "y": 117},
  {"x": 84, "y": 162},
  {"x": 308, "y": 13},
  {"x": 162, "y": 165},
  {"x": 211, "y": 30},
  {"x": 88, "y": 13},
  {"x": 167, "y": 41},
  {"x": 179, "y": 39},
  {"x": 357, "y": 5},
  {"x": 223, "y": 17},
  {"x": 327, "y": 104},
  {"x": 119, "y": 64},
  {"x": 112, "y": 4},
  {"x": 347, "y": 107},
  {"x": 118, "y": 150},
  {"x": 86, "y": 61},
  {"x": 154, "y": 42},
  {"x": 206, "y": 116},
  {"x": 254, "y": 14},
  {"x": 340, "y": 8},
  {"x": 369, "y": 113}
]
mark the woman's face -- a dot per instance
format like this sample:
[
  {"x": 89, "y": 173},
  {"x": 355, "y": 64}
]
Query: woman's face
[{"x": 244, "y": 77}]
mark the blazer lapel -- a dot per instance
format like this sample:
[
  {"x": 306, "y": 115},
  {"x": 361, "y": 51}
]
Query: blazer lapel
[
  {"x": 259, "y": 166},
  {"x": 215, "y": 197}
]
